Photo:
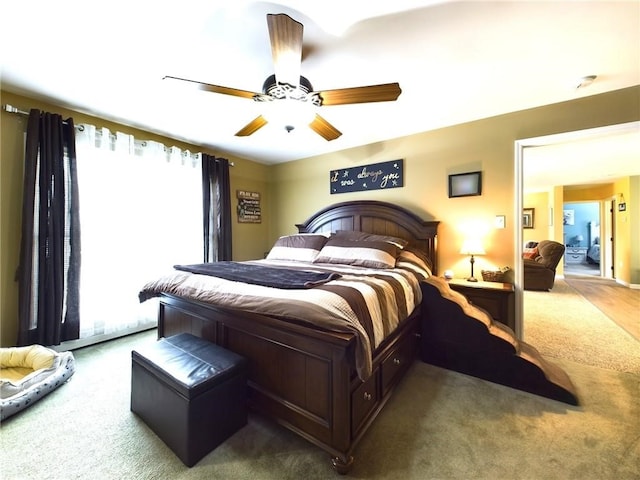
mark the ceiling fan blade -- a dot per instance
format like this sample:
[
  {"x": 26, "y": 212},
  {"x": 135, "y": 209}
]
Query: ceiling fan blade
[
  {"x": 286, "y": 47},
  {"x": 214, "y": 88},
  {"x": 324, "y": 128},
  {"x": 251, "y": 127},
  {"x": 385, "y": 92}
]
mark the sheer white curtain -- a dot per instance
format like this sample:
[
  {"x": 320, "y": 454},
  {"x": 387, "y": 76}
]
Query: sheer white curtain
[{"x": 140, "y": 214}]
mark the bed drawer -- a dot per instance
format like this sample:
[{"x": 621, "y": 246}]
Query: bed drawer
[
  {"x": 397, "y": 362},
  {"x": 363, "y": 401}
]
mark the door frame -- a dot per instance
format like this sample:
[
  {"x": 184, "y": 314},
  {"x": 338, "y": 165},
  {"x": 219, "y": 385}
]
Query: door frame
[
  {"x": 518, "y": 171},
  {"x": 605, "y": 248}
]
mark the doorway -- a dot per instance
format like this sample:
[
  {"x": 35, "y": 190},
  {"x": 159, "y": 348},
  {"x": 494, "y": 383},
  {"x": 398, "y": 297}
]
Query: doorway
[
  {"x": 581, "y": 234},
  {"x": 568, "y": 138}
]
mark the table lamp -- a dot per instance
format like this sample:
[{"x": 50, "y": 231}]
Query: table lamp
[{"x": 472, "y": 246}]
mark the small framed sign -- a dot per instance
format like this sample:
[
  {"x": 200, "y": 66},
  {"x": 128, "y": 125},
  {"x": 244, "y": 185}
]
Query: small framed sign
[{"x": 249, "y": 210}]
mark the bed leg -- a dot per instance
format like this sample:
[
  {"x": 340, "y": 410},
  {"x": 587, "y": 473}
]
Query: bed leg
[{"x": 342, "y": 466}]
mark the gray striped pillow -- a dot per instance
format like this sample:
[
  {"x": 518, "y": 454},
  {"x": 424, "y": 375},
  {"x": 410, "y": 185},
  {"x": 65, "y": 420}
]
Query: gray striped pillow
[
  {"x": 371, "y": 254},
  {"x": 299, "y": 248}
]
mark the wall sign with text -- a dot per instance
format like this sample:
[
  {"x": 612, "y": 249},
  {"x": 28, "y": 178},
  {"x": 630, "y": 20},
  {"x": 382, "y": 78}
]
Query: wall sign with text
[
  {"x": 248, "y": 207},
  {"x": 376, "y": 176}
]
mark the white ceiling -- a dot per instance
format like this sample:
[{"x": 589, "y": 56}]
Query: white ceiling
[
  {"x": 576, "y": 159},
  {"x": 455, "y": 62}
]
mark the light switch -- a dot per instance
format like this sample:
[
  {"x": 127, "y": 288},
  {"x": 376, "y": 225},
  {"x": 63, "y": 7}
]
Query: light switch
[{"x": 500, "y": 221}]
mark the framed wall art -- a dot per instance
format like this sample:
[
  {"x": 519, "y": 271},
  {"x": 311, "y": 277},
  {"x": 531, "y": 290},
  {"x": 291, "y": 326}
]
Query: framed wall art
[
  {"x": 528, "y": 217},
  {"x": 568, "y": 217},
  {"x": 465, "y": 184}
]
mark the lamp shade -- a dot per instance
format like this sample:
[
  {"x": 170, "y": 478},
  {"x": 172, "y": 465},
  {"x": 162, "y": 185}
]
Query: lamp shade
[{"x": 472, "y": 246}]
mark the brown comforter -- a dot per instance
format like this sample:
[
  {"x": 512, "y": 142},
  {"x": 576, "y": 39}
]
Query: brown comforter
[{"x": 370, "y": 303}]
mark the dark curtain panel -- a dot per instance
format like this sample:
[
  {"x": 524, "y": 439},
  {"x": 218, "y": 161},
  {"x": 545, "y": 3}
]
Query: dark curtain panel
[
  {"x": 216, "y": 208},
  {"x": 48, "y": 274}
]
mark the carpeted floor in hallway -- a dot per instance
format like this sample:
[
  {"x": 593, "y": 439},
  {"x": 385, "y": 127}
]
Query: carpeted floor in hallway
[{"x": 561, "y": 323}]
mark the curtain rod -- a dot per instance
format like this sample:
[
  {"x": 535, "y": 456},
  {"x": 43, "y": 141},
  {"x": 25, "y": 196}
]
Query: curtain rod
[{"x": 12, "y": 109}]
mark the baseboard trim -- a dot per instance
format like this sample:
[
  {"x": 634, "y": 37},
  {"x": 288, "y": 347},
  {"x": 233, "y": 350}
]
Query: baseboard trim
[{"x": 94, "y": 339}]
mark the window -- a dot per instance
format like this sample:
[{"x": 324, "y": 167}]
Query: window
[{"x": 140, "y": 214}]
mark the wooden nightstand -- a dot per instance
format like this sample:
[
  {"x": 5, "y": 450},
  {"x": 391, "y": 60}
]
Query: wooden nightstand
[{"x": 498, "y": 299}]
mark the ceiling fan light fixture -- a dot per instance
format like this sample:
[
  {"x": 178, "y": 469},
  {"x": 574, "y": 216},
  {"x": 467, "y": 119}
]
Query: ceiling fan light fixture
[
  {"x": 289, "y": 113},
  {"x": 274, "y": 90},
  {"x": 287, "y": 105}
]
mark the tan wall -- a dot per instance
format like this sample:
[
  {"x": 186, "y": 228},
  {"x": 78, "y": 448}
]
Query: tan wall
[
  {"x": 249, "y": 240},
  {"x": 591, "y": 193},
  {"x": 539, "y": 201},
  {"x": 622, "y": 232},
  {"x": 302, "y": 187},
  {"x": 634, "y": 221},
  {"x": 557, "y": 230}
]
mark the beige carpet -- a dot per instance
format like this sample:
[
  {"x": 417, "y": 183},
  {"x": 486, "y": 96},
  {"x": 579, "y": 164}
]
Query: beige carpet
[
  {"x": 440, "y": 425},
  {"x": 563, "y": 324}
]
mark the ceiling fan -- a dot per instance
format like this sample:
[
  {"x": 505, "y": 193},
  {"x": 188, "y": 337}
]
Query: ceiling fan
[{"x": 288, "y": 85}]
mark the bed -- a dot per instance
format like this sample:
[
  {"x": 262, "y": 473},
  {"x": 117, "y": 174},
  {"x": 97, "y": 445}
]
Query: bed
[
  {"x": 593, "y": 254},
  {"x": 321, "y": 381}
]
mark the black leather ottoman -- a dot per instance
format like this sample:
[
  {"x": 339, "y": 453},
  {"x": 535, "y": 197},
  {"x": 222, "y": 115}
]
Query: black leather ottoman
[{"x": 190, "y": 392}]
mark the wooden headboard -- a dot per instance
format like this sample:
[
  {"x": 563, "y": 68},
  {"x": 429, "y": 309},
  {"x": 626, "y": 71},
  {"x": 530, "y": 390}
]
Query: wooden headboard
[{"x": 377, "y": 217}]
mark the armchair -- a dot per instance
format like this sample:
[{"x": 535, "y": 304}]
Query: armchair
[{"x": 540, "y": 272}]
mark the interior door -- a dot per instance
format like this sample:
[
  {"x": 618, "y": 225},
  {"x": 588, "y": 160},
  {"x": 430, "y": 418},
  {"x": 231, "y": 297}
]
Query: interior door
[{"x": 612, "y": 239}]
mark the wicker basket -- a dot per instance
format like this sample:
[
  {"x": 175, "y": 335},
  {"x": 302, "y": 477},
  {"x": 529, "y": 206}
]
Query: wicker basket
[{"x": 493, "y": 275}]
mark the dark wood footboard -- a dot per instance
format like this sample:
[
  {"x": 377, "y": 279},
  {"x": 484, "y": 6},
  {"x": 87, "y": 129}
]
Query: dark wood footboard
[{"x": 301, "y": 377}]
